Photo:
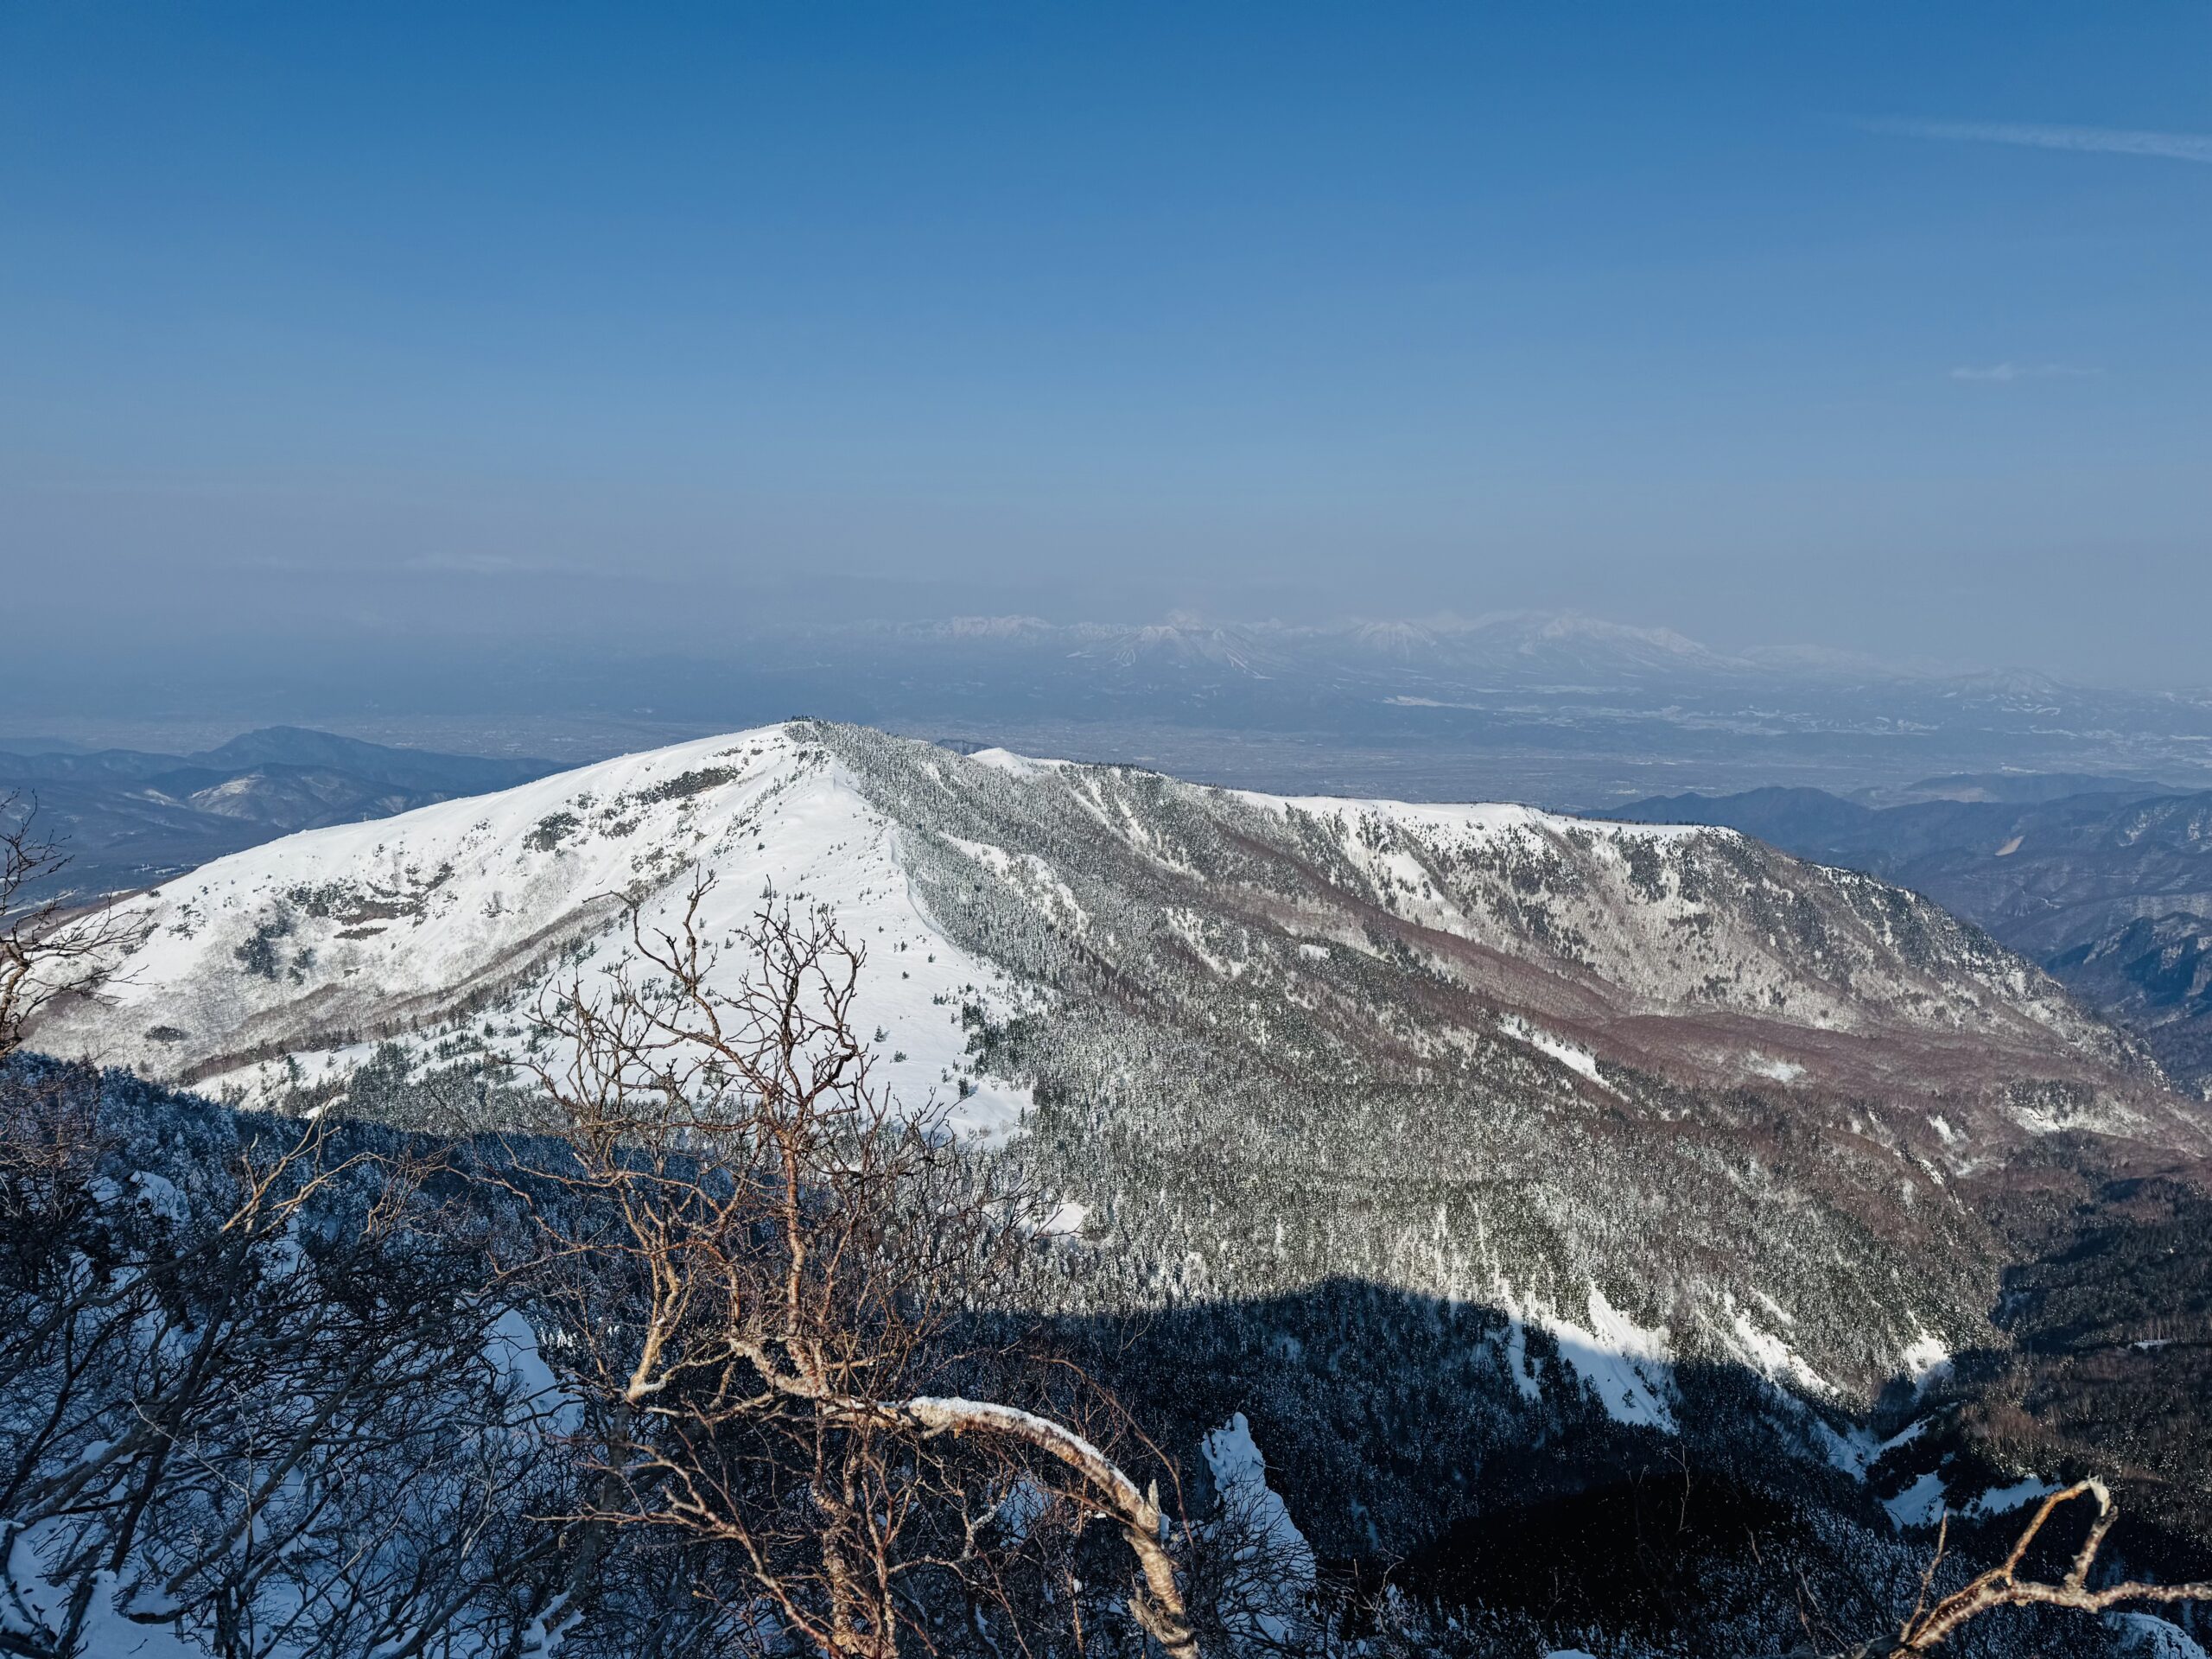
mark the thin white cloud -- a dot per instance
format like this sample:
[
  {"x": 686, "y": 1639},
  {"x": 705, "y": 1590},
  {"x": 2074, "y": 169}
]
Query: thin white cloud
[
  {"x": 2001, "y": 373},
  {"x": 2112, "y": 141},
  {"x": 492, "y": 564}
]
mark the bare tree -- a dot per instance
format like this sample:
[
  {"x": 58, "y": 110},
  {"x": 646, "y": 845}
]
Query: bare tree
[
  {"x": 1935, "y": 1619},
  {"x": 1253, "y": 1587},
  {"x": 270, "y": 1414},
  {"x": 48, "y": 949},
  {"x": 1933, "y": 1622},
  {"x": 774, "y": 1282}
]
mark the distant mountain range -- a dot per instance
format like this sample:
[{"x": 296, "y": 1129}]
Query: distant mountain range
[
  {"x": 2109, "y": 889},
  {"x": 1561, "y": 710},
  {"x": 1555, "y": 708},
  {"x": 127, "y": 818}
]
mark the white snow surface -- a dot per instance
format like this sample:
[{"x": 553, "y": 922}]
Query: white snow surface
[
  {"x": 108, "y": 1632},
  {"x": 1018, "y": 765},
  {"x": 1240, "y": 1476},
  {"x": 1767, "y": 1352},
  {"x": 2019, "y": 1494},
  {"x": 1474, "y": 820},
  {"x": 513, "y": 1348},
  {"x": 1238, "y": 1468},
  {"x": 2148, "y": 1637},
  {"x": 1926, "y": 1361},
  {"x": 1857, "y": 1451},
  {"x": 476, "y": 894},
  {"x": 1920, "y": 1504},
  {"x": 1572, "y": 1056},
  {"x": 1628, "y": 1367},
  {"x": 1924, "y": 1502}
]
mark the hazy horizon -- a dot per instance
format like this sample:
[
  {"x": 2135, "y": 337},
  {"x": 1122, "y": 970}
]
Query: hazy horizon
[{"x": 582, "y": 697}]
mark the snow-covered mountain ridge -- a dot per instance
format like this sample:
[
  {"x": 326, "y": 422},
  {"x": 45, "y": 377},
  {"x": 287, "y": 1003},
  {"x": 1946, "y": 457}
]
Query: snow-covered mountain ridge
[
  {"x": 1681, "y": 948},
  {"x": 437, "y": 924},
  {"x": 1615, "y": 1107}
]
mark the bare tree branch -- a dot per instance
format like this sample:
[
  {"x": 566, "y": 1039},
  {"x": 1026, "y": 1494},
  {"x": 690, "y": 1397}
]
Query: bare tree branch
[
  {"x": 1929, "y": 1625},
  {"x": 48, "y": 951},
  {"x": 767, "y": 1266}
]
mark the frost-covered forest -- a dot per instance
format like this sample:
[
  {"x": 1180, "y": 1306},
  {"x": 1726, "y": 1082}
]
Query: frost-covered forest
[{"x": 265, "y": 1395}]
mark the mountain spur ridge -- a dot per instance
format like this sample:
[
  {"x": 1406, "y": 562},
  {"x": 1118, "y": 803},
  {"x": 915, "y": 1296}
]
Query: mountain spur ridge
[{"x": 1629, "y": 1095}]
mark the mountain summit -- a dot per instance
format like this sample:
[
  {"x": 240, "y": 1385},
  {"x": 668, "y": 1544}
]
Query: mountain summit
[
  {"x": 1682, "y": 952},
  {"x": 1588, "y": 1042}
]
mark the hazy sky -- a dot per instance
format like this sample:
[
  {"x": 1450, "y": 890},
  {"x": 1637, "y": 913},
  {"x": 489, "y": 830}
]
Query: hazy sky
[{"x": 1877, "y": 326}]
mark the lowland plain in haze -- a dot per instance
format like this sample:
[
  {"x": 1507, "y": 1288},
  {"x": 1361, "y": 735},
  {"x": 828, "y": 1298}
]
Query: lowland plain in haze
[{"x": 1557, "y": 709}]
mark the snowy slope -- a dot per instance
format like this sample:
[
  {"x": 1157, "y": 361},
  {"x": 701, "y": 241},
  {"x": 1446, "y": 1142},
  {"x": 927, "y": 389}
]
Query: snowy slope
[
  {"x": 1597, "y": 1130},
  {"x": 1687, "y": 951},
  {"x": 316, "y": 947}
]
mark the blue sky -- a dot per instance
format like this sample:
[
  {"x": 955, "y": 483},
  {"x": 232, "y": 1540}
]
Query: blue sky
[{"x": 1876, "y": 325}]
